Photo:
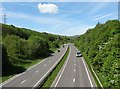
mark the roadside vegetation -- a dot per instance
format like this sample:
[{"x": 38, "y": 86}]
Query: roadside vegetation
[
  {"x": 100, "y": 47},
  {"x": 54, "y": 73},
  {"x": 23, "y": 47}
]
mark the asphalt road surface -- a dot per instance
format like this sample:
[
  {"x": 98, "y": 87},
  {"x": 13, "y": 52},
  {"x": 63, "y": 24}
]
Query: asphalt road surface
[
  {"x": 74, "y": 73},
  {"x": 33, "y": 76}
]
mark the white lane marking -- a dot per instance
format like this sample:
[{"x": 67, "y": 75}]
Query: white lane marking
[
  {"x": 74, "y": 70},
  {"x": 75, "y": 64},
  {"x": 38, "y": 63},
  {"x": 23, "y": 81},
  {"x": 49, "y": 61},
  {"x": 37, "y": 71},
  {"x": 87, "y": 73},
  {"x": 7, "y": 81},
  {"x": 49, "y": 69},
  {"x": 45, "y": 65},
  {"x": 74, "y": 80},
  {"x": 63, "y": 69}
]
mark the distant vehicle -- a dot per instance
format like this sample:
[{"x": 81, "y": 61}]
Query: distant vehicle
[
  {"x": 58, "y": 50},
  {"x": 78, "y": 54},
  {"x": 63, "y": 45}
]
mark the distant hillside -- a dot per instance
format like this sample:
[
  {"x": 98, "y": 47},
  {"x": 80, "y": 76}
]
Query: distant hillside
[
  {"x": 21, "y": 45},
  {"x": 100, "y": 47}
]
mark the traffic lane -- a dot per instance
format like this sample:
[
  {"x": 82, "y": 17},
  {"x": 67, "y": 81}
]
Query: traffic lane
[
  {"x": 36, "y": 77},
  {"x": 81, "y": 75},
  {"x": 68, "y": 76},
  {"x": 29, "y": 73},
  {"x": 81, "y": 61},
  {"x": 90, "y": 74}
]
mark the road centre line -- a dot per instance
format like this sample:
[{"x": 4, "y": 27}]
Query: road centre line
[
  {"x": 23, "y": 81},
  {"x": 44, "y": 64},
  {"x": 74, "y": 80},
  {"x": 37, "y": 71},
  {"x": 49, "y": 69},
  {"x": 14, "y": 77}
]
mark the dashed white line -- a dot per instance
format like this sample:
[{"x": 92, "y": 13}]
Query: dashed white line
[
  {"x": 75, "y": 64},
  {"x": 74, "y": 70},
  {"x": 74, "y": 80},
  {"x": 49, "y": 70},
  {"x": 37, "y": 71},
  {"x": 23, "y": 81},
  {"x": 45, "y": 65}
]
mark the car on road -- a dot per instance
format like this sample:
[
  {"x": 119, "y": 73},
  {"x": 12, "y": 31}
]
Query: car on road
[
  {"x": 78, "y": 54},
  {"x": 58, "y": 50}
]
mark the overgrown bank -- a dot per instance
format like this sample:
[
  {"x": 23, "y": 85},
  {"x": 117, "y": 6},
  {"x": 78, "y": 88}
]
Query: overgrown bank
[
  {"x": 100, "y": 46},
  {"x": 23, "y": 47}
]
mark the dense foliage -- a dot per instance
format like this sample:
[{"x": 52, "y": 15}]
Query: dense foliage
[
  {"x": 19, "y": 45},
  {"x": 100, "y": 46}
]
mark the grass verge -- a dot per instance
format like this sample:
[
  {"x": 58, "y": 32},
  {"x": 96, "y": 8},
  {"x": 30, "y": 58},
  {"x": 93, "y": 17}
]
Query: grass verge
[{"x": 53, "y": 75}]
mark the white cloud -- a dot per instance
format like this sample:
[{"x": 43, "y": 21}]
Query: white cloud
[
  {"x": 104, "y": 16},
  {"x": 47, "y": 8}
]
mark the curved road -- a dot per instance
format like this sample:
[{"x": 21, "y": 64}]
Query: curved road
[
  {"x": 74, "y": 73},
  {"x": 35, "y": 75}
]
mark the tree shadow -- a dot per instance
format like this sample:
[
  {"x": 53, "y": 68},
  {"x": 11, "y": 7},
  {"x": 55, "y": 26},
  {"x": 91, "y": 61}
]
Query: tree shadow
[{"x": 11, "y": 70}]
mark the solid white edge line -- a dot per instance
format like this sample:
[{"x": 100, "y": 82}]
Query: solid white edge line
[
  {"x": 97, "y": 78},
  {"x": 62, "y": 69},
  {"x": 87, "y": 72},
  {"x": 5, "y": 82},
  {"x": 12, "y": 78},
  {"x": 50, "y": 69},
  {"x": 94, "y": 74}
]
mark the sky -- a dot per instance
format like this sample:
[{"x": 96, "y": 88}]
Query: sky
[{"x": 63, "y": 18}]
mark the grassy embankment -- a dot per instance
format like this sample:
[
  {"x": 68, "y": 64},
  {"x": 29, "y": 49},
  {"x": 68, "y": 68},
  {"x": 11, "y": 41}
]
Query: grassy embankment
[
  {"x": 53, "y": 75},
  {"x": 26, "y": 65}
]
